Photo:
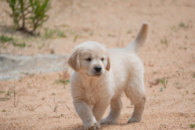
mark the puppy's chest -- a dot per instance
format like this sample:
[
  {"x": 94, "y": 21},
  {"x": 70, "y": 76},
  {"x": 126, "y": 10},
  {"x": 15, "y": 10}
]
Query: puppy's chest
[
  {"x": 95, "y": 94},
  {"x": 91, "y": 97}
]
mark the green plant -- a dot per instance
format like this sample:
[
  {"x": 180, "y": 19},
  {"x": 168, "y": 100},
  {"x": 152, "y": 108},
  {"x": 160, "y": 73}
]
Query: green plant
[
  {"x": 61, "y": 33},
  {"x": 3, "y": 110},
  {"x": 12, "y": 40},
  {"x": 62, "y": 81},
  {"x": 111, "y": 35},
  {"x": 1, "y": 91},
  {"x": 50, "y": 33},
  {"x": 75, "y": 38},
  {"x": 193, "y": 75},
  {"x": 163, "y": 81},
  {"x": 129, "y": 31},
  {"x": 164, "y": 41},
  {"x": 20, "y": 80},
  {"x": 5, "y": 39},
  {"x": 155, "y": 72},
  {"x": 192, "y": 125},
  {"x": 182, "y": 24},
  {"x": 8, "y": 93},
  {"x": 4, "y": 99},
  {"x": 29, "y": 14},
  {"x": 21, "y": 45},
  {"x": 91, "y": 33},
  {"x": 16, "y": 16},
  {"x": 52, "y": 51},
  {"x": 174, "y": 28},
  {"x": 39, "y": 9}
]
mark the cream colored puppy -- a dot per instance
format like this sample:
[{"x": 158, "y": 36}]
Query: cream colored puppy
[{"x": 101, "y": 75}]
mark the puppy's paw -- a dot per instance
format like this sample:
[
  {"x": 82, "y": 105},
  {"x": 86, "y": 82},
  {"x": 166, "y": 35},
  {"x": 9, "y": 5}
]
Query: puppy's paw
[
  {"x": 108, "y": 121},
  {"x": 132, "y": 120},
  {"x": 93, "y": 126}
]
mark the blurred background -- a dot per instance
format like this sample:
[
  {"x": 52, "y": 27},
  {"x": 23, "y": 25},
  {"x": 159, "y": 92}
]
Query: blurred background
[
  {"x": 113, "y": 23},
  {"x": 54, "y": 27}
]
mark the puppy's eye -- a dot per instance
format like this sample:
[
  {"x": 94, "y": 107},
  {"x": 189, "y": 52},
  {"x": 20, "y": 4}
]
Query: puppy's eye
[
  {"x": 88, "y": 59},
  {"x": 102, "y": 59}
]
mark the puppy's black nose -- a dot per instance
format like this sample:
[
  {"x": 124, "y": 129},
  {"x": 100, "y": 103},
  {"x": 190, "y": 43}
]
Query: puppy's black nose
[{"x": 98, "y": 68}]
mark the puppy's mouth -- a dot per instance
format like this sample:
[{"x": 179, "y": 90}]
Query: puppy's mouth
[
  {"x": 98, "y": 74},
  {"x": 95, "y": 75}
]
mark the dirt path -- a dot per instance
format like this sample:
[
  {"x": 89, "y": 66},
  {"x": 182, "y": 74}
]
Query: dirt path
[{"x": 168, "y": 55}]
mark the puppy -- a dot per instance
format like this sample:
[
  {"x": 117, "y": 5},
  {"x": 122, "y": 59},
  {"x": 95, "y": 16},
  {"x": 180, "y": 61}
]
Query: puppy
[{"x": 101, "y": 75}]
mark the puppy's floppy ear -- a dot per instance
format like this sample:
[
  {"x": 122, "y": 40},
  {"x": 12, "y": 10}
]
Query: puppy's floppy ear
[
  {"x": 74, "y": 60},
  {"x": 108, "y": 64}
]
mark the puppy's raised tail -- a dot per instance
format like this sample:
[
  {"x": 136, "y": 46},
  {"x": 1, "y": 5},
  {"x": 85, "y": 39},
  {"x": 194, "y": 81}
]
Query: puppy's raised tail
[{"x": 140, "y": 38}]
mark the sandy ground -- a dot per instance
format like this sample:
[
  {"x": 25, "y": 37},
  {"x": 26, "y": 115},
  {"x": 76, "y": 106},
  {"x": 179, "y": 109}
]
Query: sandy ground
[{"x": 169, "y": 53}]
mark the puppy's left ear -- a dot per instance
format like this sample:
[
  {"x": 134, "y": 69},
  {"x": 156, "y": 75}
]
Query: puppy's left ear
[
  {"x": 108, "y": 64},
  {"x": 73, "y": 60}
]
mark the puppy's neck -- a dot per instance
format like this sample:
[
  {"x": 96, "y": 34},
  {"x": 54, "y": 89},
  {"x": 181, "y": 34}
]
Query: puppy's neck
[{"x": 92, "y": 81}]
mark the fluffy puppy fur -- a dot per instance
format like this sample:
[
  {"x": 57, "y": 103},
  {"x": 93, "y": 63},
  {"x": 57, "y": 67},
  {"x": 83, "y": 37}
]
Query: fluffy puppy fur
[{"x": 101, "y": 75}]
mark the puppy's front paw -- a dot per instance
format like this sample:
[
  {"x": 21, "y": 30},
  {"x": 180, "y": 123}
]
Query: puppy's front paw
[
  {"x": 108, "y": 121},
  {"x": 132, "y": 120},
  {"x": 94, "y": 126}
]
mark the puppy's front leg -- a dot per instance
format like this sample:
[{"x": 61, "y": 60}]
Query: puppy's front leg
[
  {"x": 85, "y": 112},
  {"x": 116, "y": 106},
  {"x": 99, "y": 109}
]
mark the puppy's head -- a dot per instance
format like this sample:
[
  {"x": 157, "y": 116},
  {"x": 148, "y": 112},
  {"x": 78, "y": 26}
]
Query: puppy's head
[{"x": 90, "y": 59}]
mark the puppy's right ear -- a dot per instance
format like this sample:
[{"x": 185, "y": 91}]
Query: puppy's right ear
[{"x": 73, "y": 60}]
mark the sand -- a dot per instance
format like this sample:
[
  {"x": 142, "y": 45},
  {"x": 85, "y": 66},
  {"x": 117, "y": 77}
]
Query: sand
[{"x": 44, "y": 102}]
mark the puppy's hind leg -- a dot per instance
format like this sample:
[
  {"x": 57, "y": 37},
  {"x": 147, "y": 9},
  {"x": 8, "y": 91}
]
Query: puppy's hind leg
[
  {"x": 136, "y": 92},
  {"x": 115, "y": 106}
]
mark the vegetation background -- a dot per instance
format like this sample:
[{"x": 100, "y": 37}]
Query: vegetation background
[{"x": 43, "y": 101}]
